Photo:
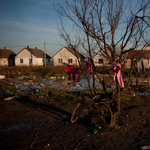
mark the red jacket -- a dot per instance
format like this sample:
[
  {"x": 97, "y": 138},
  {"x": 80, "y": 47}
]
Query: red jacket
[{"x": 72, "y": 70}]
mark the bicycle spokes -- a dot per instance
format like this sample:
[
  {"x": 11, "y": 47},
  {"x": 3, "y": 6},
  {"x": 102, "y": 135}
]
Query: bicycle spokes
[{"x": 102, "y": 116}]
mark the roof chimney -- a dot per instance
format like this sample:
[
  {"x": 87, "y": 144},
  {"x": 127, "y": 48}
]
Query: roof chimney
[
  {"x": 27, "y": 46},
  {"x": 4, "y": 48},
  {"x": 35, "y": 47}
]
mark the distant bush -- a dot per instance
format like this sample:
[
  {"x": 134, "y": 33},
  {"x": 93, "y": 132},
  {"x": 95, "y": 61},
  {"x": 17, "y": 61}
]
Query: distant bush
[{"x": 41, "y": 71}]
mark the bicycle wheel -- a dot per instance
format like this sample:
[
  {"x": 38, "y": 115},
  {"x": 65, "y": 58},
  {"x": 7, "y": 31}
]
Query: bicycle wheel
[
  {"x": 102, "y": 116},
  {"x": 77, "y": 112}
]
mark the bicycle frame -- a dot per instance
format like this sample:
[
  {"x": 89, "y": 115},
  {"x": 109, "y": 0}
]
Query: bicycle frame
[
  {"x": 100, "y": 113},
  {"x": 86, "y": 103}
]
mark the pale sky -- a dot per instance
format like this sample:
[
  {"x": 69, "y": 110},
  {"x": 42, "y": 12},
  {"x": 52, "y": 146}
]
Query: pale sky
[{"x": 29, "y": 23}]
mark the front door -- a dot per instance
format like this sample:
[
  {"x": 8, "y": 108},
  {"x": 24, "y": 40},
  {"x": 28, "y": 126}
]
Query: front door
[{"x": 30, "y": 62}]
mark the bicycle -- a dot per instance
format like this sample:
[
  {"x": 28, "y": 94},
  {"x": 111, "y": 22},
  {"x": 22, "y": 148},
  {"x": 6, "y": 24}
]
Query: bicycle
[{"x": 100, "y": 113}]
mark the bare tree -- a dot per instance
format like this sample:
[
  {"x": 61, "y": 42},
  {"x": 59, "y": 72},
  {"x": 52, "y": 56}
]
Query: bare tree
[{"x": 105, "y": 25}]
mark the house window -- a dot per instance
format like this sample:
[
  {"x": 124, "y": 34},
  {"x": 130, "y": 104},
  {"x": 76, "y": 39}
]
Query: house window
[
  {"x": 21, "y": 60},
  {"x": 69, "y": 61},
  {"x": 30, "y": 61},
  {"x": 100, "y": 61},
  {"x": 59, "y": 60}
]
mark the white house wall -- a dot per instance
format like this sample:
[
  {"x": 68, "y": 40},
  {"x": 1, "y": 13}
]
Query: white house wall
[
  {"x": 96, "y": 60},
  {"x": 64, "y": 54},
  {"x": 145, "y": 61},
  {"x": 26, "y": 55},
  {"x": 4, "y": 62},
  {"x": 40, "y": 61},
  {"x": 128, "y": 63}
]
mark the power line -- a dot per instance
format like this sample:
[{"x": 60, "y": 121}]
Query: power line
[
  {"x": 52, "y": 44},
  {"x": 25, "y": 45},
  {"x": 32, "y": 45}
]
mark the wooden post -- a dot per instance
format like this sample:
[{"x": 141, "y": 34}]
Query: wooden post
[{"x": 44, "y": 54}]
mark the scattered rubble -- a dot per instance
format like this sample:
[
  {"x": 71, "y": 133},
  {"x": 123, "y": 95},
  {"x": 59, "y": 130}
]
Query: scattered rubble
[
  {"x": 33, "y": 85},
  {"x": 2, "y": 76},
  {"x": 11, "y": 98}
]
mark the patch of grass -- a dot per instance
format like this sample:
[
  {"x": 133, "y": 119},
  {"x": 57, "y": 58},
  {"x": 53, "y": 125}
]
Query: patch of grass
[
  {"x": 121, "y": 117},
  {"x": 42, "y": 93},
  {"x": 82, "y": 92},
  {"x": 100, "y": 90},
  {"x": 12, "y": 89},
  {"x": 135, "y": 109},
  {"x": 48, "y": 75},
  {"x": 67, "y": 98},
  {"x": 55, "y": 95},
  {"x": 104, "y": 70},
  {"x": 124, "y": 98},
  {"x": 126, "y": 72}
]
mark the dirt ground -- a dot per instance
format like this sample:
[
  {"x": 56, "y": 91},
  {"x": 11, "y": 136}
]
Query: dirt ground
[{"x": 44, "y": 124}]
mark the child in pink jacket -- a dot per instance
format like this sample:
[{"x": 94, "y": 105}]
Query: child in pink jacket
[{"x": 116, "y": 68}]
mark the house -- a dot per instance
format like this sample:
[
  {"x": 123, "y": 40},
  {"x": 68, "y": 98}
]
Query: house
[
  {"x": 139, "y": 53},
  {"x": 31, "y": 57},
  {"x": 67, "y": 55},
  {"x": 7, "y": 57},
  {"x": 100, "y": 59}
]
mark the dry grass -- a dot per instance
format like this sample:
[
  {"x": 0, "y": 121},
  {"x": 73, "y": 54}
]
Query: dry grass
[
  {"x": 41, "y": 71},
  {"x": 56, "y": 71}
]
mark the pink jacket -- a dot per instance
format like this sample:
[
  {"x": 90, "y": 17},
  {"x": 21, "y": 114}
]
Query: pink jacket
[
  {"x": 72, "y": 70},
  {"x": 116, "y": 69},
  {"x": 88, "y": 66}
]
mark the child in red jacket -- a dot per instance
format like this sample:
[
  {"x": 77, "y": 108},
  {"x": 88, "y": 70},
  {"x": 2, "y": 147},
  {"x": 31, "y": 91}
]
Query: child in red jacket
[{"x": 72, "y": 70}]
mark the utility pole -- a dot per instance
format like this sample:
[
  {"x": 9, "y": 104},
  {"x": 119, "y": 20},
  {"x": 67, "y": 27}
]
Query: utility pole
[{"x": 44, "y": 54}]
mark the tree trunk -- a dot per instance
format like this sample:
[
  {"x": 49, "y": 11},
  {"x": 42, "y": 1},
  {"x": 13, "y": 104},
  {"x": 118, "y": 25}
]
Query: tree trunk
[
  {"x": 113, "y": 124},
  {"x": 116, "y": 96}
]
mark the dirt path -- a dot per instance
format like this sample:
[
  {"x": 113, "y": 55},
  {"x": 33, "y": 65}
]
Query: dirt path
[{"x": 44, "y": 124}]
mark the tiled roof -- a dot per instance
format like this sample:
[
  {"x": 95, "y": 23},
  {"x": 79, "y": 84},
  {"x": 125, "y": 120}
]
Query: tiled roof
[
  {"x": 5, "y": 53},
  {"x": 137, "y": 53},
  {"x": 75, "y": 52},
  {"x": 37, "y": 52}
]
